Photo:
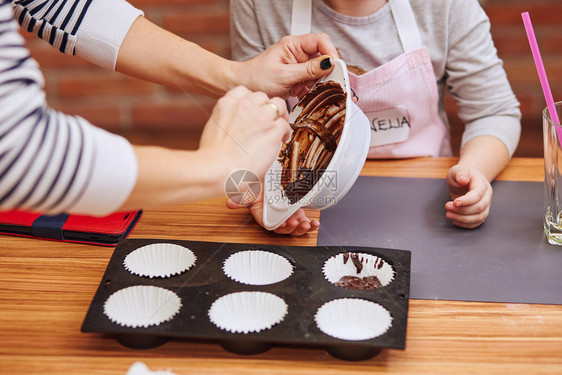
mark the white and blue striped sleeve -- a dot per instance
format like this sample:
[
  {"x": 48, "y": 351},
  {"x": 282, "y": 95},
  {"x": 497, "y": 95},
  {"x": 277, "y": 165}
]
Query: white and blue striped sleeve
[
  {"x": 92, "y": 29},
  {"x": 49, "y": 161}
]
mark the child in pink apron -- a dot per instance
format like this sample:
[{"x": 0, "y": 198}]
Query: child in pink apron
[{"x": 400, "y": 97}]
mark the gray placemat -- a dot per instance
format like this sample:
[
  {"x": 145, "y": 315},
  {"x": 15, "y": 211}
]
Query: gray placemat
[{"x": 507, "y": 259}]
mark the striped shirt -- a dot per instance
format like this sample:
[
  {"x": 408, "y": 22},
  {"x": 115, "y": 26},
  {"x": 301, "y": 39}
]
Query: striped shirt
[
  {"x": 53, "y": 21},
  {"x": 49, "y": 161}
]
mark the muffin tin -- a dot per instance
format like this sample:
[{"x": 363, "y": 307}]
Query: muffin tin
[{"x": 225, "y": 296}]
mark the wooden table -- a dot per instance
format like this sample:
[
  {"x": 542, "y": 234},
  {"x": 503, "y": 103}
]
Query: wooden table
[{"x": 46, "y": 288}]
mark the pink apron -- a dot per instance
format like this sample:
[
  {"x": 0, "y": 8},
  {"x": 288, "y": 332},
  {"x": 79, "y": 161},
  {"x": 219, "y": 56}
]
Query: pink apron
[{"x": 400, "y": 97}]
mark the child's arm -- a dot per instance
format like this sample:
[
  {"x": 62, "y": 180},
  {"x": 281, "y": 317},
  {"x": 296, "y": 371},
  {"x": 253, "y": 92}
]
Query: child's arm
[
  {"x": 481, "y": 160},
  {"x": 488, "y": 107}
]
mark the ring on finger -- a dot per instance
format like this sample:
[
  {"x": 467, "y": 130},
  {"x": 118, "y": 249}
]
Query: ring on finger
[{"x": 274, "y": 106}]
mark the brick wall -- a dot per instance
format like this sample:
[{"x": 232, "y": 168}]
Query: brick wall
[
  {"x": 119, "y": 103},
  {"x": 513, "y": 48}
]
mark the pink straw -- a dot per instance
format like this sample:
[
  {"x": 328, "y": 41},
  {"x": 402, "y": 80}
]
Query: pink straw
[{"x": 542, "y": 73}]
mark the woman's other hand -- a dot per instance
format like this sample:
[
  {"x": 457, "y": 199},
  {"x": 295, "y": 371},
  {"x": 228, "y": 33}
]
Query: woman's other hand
[
  {"x": 245, "y": 131},
  {"x": 290, "y": 66}
]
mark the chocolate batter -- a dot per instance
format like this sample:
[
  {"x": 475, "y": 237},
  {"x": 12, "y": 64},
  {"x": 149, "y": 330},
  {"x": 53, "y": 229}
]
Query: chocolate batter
[
  {"x": 359, "y": 283},
  {"x": 316, "y": 133},
  {"x": 356, "y": 259}
]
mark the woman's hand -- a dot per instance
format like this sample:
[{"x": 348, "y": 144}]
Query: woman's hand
[
  {"x": 472, "y": 196},
  {"x": 290, "y": 66},
  {"x": 245, "y": 131}
]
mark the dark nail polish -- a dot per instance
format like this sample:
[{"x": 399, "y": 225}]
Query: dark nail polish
[{"x": 326, "y": 64}]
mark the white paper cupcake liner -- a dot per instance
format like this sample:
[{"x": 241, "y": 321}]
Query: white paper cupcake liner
[
  {"x": 139, "y": 368},
  {"x": 359, "y": 265},
  {"x": 257, "y": 267},
  {"x": 353, "y": 319},
  {"x": 142, "y": 306},
  {"x": 159, "y": 260},
  {"x": 246, "y": 312}
]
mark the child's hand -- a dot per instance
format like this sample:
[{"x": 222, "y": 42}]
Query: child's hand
[
  {"x": 472, "y": 196},
  {"x": 297, "y": 225}
]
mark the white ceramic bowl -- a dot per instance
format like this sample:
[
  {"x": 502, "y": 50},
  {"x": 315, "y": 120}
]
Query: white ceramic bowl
[{"x": 345, "y": 165}]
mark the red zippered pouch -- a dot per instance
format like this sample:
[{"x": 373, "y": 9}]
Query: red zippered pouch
[{"x": 106, "y": 230}]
